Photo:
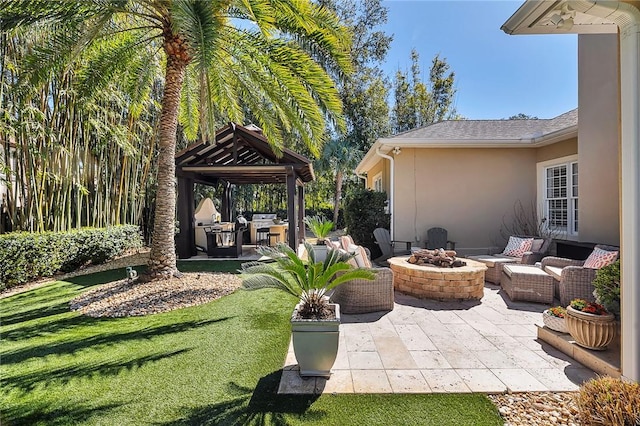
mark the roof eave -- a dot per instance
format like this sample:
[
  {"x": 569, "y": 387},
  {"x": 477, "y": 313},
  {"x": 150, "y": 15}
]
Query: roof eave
[
  {"x": 385, "y": 145},
  {"x": 371, "y": 157},
  {"x": 528, "y": 16}
]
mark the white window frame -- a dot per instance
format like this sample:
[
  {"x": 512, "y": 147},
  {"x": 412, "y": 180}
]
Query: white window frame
[
  {"x": 377, "y": 182},
  {"x": 571, "y": 231}
]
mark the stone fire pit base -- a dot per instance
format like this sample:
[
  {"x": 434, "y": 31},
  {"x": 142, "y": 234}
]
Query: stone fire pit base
[{"x": 432, "y": 282}]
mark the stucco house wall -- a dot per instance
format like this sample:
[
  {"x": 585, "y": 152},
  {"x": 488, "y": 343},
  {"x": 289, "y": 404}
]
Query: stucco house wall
[
  {"x": 381, "y": 168},
  {"x": 598, "y": 138},
  {"x": 467, "y": 191},
  {"x": 557, "y": 150}
]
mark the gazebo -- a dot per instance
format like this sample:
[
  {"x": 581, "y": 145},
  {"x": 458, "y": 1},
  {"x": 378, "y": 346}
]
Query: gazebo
[{"x": 238, "y": 155}]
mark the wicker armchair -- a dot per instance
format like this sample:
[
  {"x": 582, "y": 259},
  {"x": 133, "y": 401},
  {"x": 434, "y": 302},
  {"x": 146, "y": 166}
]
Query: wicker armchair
[
  {"x": 572, "y": 279},
  {"x": 361, "y": 296}
]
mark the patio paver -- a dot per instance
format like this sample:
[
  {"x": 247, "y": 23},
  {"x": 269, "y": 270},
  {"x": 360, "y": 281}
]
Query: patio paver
[{"x": 426, "y": 346}]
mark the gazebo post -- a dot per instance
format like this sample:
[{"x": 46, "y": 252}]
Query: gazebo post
[
  {"x": 186, "y": 244},
  {"x": 226, "y": 203},
  {"x": 302, "y": 228},
  {"x": 291, "y": 208}
]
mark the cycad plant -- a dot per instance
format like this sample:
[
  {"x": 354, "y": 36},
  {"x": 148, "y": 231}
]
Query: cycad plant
[
  {"x": 319, "y": 226},
  {"x": 308, "y": 280}
]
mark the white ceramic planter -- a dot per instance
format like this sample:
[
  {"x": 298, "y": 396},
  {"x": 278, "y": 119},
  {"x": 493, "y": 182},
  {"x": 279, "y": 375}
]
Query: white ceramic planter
[
  {"x": 320, "y": 252},
  {"x": 315, "y": 343},
  {"x": 554, "y": 323}
]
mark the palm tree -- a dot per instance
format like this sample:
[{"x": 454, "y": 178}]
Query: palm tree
[
  {"x": 271, "y": 56},
  {"x": 338, "y": 158}
]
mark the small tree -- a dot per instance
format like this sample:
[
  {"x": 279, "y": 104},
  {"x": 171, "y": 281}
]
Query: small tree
[{"x": 364, "y": 212}]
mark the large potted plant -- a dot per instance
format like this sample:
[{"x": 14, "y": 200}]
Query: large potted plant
[
  {"x": 315, "y": 322},
  {"x": 321, "y": 228},
  {"x": 590, "y": 324}
]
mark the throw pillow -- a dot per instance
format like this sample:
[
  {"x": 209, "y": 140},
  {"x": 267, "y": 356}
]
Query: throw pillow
[
  {"x": 346, "y": 241},
  {"x": 537, "y": 244},
  {"x": 332, "y": 244},
  {"x": 517, "y": 247},
  {"x": 351, "y": 261},
  {"x": 363, "y": 253},
  {"x": 599, "y": 258},
  {"x": 360, "y": 255}
]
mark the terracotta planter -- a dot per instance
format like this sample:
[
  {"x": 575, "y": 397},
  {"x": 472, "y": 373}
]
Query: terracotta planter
[
  {"x": 589, "y": 330},
  {"x": 553, "y": 322},
  {"x": 315, "y": 343}
]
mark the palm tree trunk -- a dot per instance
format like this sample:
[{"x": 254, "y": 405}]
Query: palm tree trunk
[
  {"x": 162, "y": 258},
  {"x": 336, "y": 204}
]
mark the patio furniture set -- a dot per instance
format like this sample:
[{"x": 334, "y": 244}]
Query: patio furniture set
[
  {"x": 526, "y": 274},
  {"x": 522, "y": 269}
]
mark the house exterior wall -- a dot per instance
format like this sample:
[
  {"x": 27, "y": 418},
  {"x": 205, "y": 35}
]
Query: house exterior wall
[
  {"x": 466, "y": 191},
  {"x": 557, "y": 150},
  {"x": 598, "y": 138},
  {"x": 381, "y": 166}
]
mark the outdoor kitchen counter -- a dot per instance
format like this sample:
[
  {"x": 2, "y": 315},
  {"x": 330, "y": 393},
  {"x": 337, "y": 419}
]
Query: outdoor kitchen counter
[{"x": 433, "y": 282}]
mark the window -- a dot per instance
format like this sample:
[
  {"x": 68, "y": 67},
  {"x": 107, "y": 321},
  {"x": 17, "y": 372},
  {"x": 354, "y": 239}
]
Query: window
[
  {"x": 559, "y": 189},
  {"x": 377, "y": 182}
]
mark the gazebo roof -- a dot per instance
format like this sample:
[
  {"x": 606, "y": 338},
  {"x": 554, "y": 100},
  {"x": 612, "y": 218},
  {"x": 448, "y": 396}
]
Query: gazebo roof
[{"x": 241, "y": 155}]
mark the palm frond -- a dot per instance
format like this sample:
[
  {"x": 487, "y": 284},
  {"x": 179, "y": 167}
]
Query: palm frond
[{"x": 189, "y": 114}]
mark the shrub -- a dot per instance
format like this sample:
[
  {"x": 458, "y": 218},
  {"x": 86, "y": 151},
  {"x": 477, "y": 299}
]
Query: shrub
[
  {"x": 607, "y": 287},
  {"x": 364, "y": 212},
  {"x": 609, "y": 401},
  {"x": 26, "y": 256}
]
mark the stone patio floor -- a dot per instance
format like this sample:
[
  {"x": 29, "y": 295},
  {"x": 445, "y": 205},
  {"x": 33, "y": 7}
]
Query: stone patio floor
[{"x": 426, "y": 346}]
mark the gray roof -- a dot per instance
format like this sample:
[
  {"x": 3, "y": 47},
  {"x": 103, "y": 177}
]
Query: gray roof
[{"x": 491, "y": 129}]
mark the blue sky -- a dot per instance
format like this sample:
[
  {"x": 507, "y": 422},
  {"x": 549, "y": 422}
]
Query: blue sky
[{"x": 497, "y": 75}]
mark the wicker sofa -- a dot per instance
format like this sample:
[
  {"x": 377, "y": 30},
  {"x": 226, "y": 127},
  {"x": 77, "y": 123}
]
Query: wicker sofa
[
  {"x": 495, "y": 262},
  {"x": 361, "y": 296},
  {"x": 572, "y": 280}
]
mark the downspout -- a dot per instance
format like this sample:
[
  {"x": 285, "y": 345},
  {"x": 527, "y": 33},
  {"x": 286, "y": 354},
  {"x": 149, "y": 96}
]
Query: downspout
[{"x": 391, "y": 184}]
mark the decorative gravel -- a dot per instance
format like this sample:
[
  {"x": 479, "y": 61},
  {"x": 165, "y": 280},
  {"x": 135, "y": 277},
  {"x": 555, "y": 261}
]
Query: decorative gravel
[
  {"x": 125, "y": 298},
  {"x": 537, "y": 408}
]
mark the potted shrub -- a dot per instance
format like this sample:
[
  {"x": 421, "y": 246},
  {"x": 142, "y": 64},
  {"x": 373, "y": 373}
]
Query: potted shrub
[
  {"x": 607, "y": 287},
  {"x": 553, "y": 318},
  {"x": 590, "y": 324},
  {"x": 315, "y": 322},
  {"x": 320, "y": 228}
]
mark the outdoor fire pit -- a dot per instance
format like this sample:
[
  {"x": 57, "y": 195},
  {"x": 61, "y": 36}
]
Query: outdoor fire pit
[{"x": 428, "y": 281}]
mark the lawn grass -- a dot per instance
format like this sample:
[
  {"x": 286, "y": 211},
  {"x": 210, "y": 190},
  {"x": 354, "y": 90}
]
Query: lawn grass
[{"x": 216, "y": 364}]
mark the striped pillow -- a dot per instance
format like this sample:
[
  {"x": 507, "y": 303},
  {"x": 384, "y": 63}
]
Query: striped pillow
[
  {"x": 517, "y": 247},
  {"x": 346, "y": 241},
  {"x": 599, "y": 258}
]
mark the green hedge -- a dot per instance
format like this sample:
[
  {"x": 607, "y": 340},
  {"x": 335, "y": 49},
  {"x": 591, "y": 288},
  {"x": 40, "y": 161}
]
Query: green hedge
[
  {"x": 26, "y": 256},
  {"x": 364, "y": 212}
]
